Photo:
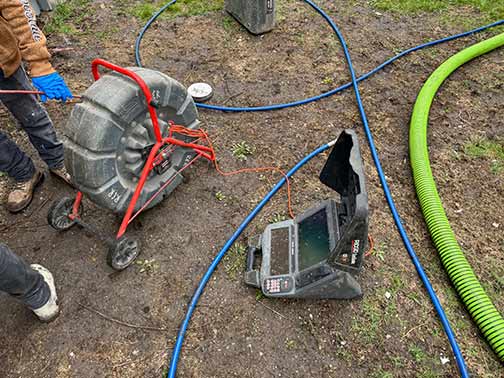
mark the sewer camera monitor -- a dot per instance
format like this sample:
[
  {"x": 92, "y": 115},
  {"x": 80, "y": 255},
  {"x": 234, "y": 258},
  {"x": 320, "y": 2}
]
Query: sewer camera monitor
[{"x": 317, "y": 254}]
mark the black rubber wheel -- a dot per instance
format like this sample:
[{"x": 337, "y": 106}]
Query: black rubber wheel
[
  {"x": 123, "y": 253},
  {"x": 58, "y": 213},
  {"x": 109, "y": 135}
]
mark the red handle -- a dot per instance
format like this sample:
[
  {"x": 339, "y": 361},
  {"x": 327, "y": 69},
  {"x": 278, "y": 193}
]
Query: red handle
[{"x": 141, "y": 83}]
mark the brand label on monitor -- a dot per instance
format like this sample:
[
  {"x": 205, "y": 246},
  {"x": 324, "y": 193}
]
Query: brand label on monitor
[
  {"x": 355, "y": 251},
  {"x": 269, "y": 5}
]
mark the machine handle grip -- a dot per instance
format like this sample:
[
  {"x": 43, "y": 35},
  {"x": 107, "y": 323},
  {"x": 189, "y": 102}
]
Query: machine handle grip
[
  {"x": 151, "y": 104},
  {"x": 251, "y": 252}
]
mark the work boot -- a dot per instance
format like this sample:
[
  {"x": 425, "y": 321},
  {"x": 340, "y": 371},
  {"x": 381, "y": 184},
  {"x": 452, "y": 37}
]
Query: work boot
[
  {"x": 62, "y": 174},
  {"x": 50, "y": 311},
  {"x": 22, "y": 194}
]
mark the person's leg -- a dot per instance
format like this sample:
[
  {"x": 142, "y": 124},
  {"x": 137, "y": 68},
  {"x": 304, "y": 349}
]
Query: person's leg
[
  {"x": 13, "y": 161},
  {"x": 33, "y": 285},
  {"x": 20, "y": 281},
  {"x": 20, "y": 167},
  {"x": 33, "y": 118}
]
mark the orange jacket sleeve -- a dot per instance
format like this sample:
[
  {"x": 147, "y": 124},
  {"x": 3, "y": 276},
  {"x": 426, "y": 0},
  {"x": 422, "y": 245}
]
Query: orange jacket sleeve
[{"x": 31, "y": 41}]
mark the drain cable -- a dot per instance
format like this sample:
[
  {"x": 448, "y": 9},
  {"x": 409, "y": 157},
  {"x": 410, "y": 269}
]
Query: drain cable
[
  {"x": 437, "y": 305},
  {"x": 138, "y": 62},
  {"x": 477, "y": 302}
]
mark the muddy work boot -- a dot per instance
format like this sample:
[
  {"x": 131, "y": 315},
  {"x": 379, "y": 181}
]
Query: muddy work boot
[
  {"x": 22, "y": 194},
  {"x": 62, "y": 174},
  {"x": 50, "y": 310}
]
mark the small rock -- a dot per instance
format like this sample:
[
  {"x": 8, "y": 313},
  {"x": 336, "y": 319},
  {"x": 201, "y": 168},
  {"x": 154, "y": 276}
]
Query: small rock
[
  {"x": 495, "y": 224},
  {"x": 388, "y": 295}
]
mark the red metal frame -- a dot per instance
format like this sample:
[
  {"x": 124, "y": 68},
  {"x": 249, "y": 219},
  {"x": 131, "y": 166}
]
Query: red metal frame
[{"x": 152, "y": 162}]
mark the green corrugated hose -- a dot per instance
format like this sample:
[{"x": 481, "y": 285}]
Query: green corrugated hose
[{"x": 477, "y": 302}]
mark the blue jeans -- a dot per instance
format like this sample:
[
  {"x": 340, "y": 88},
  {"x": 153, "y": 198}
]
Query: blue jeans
[
  {"x": 21, "y": 281},
  {"x": 35, "y": 121}
]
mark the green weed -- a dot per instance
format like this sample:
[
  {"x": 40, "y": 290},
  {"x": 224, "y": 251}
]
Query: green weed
[
  {"x": 278, "y": 218},
  {"x": 328, "y": 80},
  {"x": 380, "y": 251},
  {"x": 242, "y": 150},
  {"x": 397, "y": 361},
  {"x": 147, "y": 266},
  {"x": 417, "y": 353},
  {"x": 290, "y": 344},
  {"x": 220, "y": 196},
  {"x": 259, "y": 295}
]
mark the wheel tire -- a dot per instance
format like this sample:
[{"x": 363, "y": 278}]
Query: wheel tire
[
  {"x": 58, "y": 213},
  {"x": 123, "y": 253},
  {"x": 108, "y": 134}
]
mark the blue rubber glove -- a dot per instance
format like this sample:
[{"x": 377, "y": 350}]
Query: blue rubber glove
[{"x": 53, "y": 86}]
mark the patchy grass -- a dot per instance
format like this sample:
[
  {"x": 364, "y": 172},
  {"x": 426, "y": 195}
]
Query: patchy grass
[
  {"x": 380, "y": 373},
  {"x": 417, "y": 353},
  {"x": 488, "y": 149},
  {"x": 492, "y": 9},
  {"x": 67, "y": 15},
  {"x": 144, "y": 10},
  {"x": 106, "y": 34},
  {"x": 489, "y": 10},
  {"x": 368, "y": 326},
  {"x": 234, "y": 261},
  {"x": 229, "y": 23}
]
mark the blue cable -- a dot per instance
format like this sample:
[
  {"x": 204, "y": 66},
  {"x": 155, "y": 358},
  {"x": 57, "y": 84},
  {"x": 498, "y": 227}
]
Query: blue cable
[
  {"x": 183, "y": 329},
  {"x": 138, "y": 60},
  {"x": 439, "y": 309},
  {"x": 251, "y": 216},
  {"x": 220, "y": 255},
  {"x": 322, "y": 95}
]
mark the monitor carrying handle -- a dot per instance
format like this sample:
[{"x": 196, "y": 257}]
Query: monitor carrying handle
[{"x": 251, "y": 274}]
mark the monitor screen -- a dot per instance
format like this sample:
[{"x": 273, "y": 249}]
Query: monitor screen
[
  {"x": 279, "y": 251},
  {"x": 313, "y": 239}
]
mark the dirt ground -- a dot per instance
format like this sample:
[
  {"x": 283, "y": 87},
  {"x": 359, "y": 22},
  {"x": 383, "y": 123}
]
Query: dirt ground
[{"x": 393, "y": 331}]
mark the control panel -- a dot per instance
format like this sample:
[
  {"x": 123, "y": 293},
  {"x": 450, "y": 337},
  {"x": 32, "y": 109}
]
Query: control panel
[{"x": 277, "y": 285}]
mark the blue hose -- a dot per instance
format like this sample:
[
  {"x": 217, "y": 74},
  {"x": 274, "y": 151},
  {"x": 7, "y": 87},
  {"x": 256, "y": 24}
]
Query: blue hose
[
  {"x": 439, "y": 309},
  {"x": 220, "y": 255},
  {"x": 444, "y": 321},
  {"x": 314, "y": 98}
]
